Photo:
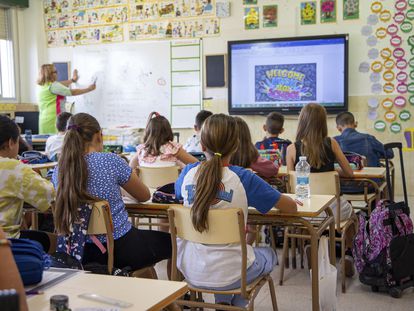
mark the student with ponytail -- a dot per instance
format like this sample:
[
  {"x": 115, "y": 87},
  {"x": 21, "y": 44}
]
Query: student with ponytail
[
  {"x": 216, "y": 184},
  {"x": 84, "y": 175}
]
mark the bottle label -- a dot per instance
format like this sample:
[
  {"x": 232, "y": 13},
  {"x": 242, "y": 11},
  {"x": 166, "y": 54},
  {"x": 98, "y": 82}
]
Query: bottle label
[{"x": 302, "y": 180}]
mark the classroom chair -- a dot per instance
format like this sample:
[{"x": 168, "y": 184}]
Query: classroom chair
[
  {"x": 363, "y": 201},
  {"x": 100, "y": 222},
  {"x": 225, "y": 226},
  {"x": 323, "y": 183},
  {"x": 154, "y": 177}
]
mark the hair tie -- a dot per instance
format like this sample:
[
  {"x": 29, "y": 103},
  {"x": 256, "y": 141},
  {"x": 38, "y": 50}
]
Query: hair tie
[
  {"x": 217, "y": 154},
  {"x": 74, "y": 127}
]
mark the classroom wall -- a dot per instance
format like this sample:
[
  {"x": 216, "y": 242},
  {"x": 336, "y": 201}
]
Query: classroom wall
[{"x": 33, "y": 52}]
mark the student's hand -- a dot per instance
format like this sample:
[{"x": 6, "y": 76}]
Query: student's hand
[{"x": 75, "y": 76}]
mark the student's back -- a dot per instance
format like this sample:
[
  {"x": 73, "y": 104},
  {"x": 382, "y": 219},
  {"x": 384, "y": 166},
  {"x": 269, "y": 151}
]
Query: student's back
[
  {"x": 353, "y": 141},
  {"x": 216, "y": 184}
]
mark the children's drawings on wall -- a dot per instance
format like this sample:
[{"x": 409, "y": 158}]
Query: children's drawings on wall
[{"x": 79, "y": 22}]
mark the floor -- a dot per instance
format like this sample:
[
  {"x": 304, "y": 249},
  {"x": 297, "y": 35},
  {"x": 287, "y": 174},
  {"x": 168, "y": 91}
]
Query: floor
[{"x": 295, "y": 294}]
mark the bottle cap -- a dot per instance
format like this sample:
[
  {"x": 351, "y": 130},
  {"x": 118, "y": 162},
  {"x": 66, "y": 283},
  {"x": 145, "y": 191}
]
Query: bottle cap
[
  {"x": 302, "y": 158},
  {"x": 59, "y": 302}
]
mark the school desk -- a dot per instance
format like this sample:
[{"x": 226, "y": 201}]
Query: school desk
[
  {"x": 315, "y": 215},
  {"x": 44, "y": 166},
  {"x": 144, "y": 294}
]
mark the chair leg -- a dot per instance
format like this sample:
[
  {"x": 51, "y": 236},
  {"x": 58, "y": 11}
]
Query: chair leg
[
  {"x": 293, "y": 250},
  {"x": 284, "y": 256},
  {"x": 193, "y": 298},
  {"x": 272, "y": 293},
  {"x": 301, "y": 251},
  {"x": 272, "y": 237},
  {"x": 343, "y": 276}
]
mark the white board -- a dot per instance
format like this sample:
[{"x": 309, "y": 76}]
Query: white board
[{"x": 133, "y": 79}]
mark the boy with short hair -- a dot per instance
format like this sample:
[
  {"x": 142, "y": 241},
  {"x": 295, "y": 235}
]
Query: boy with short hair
[
  {"x": 193, "y": 143},
  {"x": 54, "y": 143},
  {"x": 273, "y": 128},
  {"x": 361, "y": 143}
]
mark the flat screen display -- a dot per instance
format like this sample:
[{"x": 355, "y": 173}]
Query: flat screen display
[{"x": 286, "y": 74}]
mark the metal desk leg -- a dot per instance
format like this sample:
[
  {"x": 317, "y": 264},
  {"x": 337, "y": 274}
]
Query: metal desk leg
[
  {"x": 315, "y": 270},
  {"x": 332, "y": 248}
]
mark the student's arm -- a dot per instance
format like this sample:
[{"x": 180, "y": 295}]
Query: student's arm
[
  {"x": 286, "y": 204},
  {"x": 9, "y": 276},
  {"x": 36, "y": 190},
  {"x": 134, "y": 161},
  {"x": 345, "y": 169},
  {"x": 290, "y": 157},
  {"x": 137, "y": 189},
  {"x": 184, "y": 157},
  {"x": 378, "y": 148}
]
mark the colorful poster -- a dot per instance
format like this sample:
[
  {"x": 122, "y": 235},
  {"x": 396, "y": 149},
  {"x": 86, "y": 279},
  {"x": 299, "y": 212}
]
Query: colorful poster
[
  {"x": 328, "y": 11},
  {"x": 249, "y": 2},
  {"x": 351, "y": 9},
  {"x": 288, "y": 82},
  {"x": 308, "y": 13},
  {"x": 251, "y": 18},
  {"x": 269, "y": 16}
]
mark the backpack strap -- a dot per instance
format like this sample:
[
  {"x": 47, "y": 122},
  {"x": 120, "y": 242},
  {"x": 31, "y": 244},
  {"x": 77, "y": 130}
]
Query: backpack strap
[{"x": 98, "y": 244}]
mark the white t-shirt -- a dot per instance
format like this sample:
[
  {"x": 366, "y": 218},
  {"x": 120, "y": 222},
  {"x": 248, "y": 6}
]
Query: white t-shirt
[
  {"x": 193, "y": 144},
  {"x": 219, "y": 265},
  {"x": 54, "y": 145}
]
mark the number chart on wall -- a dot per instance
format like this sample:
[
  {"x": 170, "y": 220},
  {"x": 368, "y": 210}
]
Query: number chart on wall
[{"x": 134, "y": 79}]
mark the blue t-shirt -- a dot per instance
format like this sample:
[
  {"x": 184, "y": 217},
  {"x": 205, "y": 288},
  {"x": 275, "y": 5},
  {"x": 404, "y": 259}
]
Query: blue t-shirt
[{"x": 107, "y": 172}]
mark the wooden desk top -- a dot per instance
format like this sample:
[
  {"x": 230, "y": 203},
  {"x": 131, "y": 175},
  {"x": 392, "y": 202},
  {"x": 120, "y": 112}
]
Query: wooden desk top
[
  {"x": 370, "y": 172},
  {"x": 144, "y": 294},
  {"x": 366, "y": 172},
  {"x": 43, "y": 166},
  {"x": 312, "y": 207}
]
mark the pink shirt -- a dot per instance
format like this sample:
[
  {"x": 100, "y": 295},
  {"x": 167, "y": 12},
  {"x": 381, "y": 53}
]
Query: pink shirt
[{"x": 167, "y": 155}]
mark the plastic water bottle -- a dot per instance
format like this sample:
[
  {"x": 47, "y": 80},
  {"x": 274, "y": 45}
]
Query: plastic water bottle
[
  {"x": 28, "y": 137},
  {"x": 302, "y": 179}
]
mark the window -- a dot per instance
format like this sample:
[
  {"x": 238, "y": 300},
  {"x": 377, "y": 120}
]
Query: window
[{"x": 7, "y": 74}]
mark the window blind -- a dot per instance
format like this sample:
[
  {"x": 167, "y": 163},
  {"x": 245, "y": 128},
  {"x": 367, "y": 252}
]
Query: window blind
[{"x": 4, "y": 32}]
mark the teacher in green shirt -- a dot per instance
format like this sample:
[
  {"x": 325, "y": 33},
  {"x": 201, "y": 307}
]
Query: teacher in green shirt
[{"x": 51, "y": 96}]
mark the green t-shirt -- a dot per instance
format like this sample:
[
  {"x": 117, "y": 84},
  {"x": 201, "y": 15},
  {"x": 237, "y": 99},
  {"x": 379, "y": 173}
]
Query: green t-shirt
[{"x": 47, "y": 97}]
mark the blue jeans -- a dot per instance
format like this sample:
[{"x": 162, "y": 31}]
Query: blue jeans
[{"x": 264, "y": 263}]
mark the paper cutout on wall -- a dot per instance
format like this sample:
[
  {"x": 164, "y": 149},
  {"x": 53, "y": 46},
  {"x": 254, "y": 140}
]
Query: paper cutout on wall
[
  {"x": 308, "y": 13},
  {"x": 376, "y": 7},
  {"x": 251, "y": 18},
  {"x": 373, "y": 53},
  {"x": 373, "y": 102},
  {"x": 372, "y": 114},
  {"x": 366, "y": 30},
  {"x": 380, "y": 126},
  {"x": 387, "y": 103},
  {"x": 409, "y": 139},
  {"x": 375, "y": 77},
  {"x": 400, "y": 101},
  {"x": 399, "y": 17},
  {"x": 351, "y": 9},
  {"x": 372, "y": 19},
  {"x": 401, "y": 5},
  {"x": 390, "y": 116},
  {"x": 386, "y": 53},
  {"x": 376, "y": 66},
  {"x": 411, "y": 100},
  {"x": 270, "y": 16},
  {"x": 385, "y": 16},
  {"x": 406, "y": 27},
  {"x": 363, "y": 67},
  {"x": 372, "y": 40},
  {"x": 405, "y": 115},
  {"x": 376, "y": 88},
  {"x": 402, "y": 88},
  {"x": 395, "y": 127}
]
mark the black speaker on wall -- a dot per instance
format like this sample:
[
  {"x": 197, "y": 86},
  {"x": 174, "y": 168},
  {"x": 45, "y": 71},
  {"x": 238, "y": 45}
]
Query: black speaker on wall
[{"x": 215, "y": 71}]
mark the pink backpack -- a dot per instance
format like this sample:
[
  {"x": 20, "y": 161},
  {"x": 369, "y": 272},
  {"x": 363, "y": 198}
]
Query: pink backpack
[{"x": 375, "y": 235}]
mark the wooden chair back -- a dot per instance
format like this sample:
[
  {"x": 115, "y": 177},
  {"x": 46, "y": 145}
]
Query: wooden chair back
[
  {"x": 154, "y": 177},
  {"x": 226, "y": 226},
  {"x": 100, "y": 222},
  {"x": 322, "y": 183}
]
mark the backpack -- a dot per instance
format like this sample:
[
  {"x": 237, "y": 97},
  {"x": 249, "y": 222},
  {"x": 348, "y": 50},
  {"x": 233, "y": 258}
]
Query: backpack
[
  {"x": 30, "y": 259},
  {"x": 33, "y": 157},
  {"x": 166, "y": 195},
  {"x": 371, "y": 248}
]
